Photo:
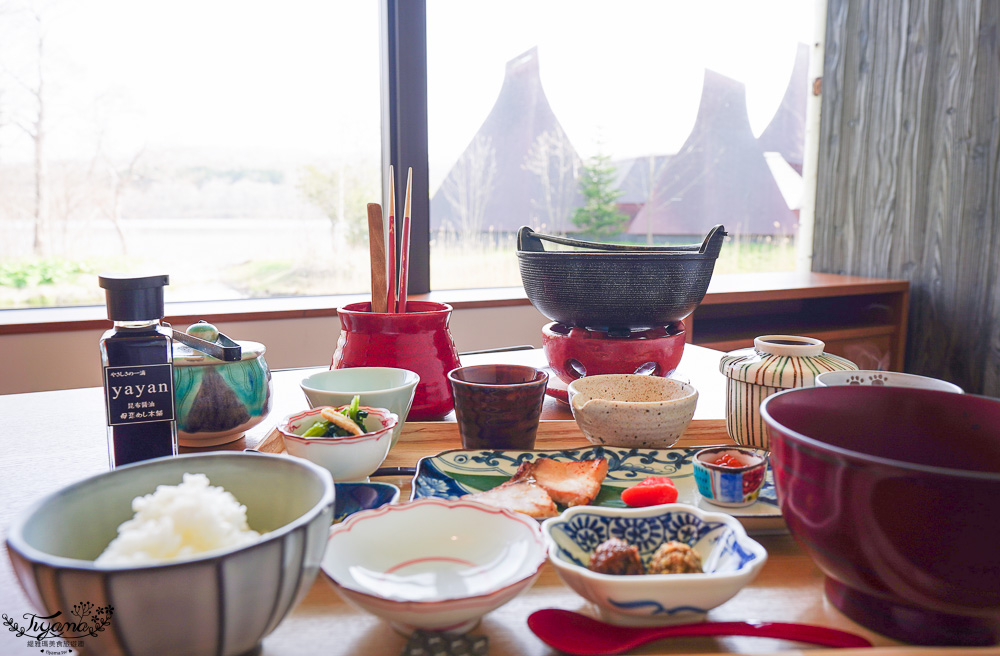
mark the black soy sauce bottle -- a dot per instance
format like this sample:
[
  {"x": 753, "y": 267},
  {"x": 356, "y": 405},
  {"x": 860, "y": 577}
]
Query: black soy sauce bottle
[{"x": 137, "y": 355}]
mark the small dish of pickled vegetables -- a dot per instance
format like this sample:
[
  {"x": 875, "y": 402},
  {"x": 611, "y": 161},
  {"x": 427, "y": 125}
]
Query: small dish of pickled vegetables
[
  {"x": 339, "y": 422},
  {"x": 351, "y": 441}
]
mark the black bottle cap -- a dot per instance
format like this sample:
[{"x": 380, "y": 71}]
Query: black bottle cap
[{"x": 131, "y": 298}]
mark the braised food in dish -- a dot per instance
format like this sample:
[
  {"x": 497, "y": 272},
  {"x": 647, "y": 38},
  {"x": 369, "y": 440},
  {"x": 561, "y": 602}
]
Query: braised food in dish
[
  {"x": 618, "y": 557},
  {"x": 614, "y": 556},
  {"x": 675, "y": 558}
]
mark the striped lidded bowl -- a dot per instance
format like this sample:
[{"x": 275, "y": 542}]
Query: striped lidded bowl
[{"x": 774, "y": 363}]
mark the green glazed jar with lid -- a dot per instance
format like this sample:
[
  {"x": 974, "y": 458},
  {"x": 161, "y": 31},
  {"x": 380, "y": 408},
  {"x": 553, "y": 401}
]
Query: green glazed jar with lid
[{"x": 218, "y": 401}]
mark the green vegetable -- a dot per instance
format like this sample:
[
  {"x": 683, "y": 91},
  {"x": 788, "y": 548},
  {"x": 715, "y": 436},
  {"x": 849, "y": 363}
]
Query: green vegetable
[
  {"x": 356, "y": 414},
  {"x": 326, "y": 429},
  {"x": 318, "y": 429}
]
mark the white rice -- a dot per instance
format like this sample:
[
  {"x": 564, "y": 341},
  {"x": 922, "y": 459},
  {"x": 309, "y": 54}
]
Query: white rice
[{"x": 178, "y": 522}]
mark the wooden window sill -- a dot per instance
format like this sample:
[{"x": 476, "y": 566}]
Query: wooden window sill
[
  {"x": 725, "y": 289},
  {"x": 45, "y": 320}
]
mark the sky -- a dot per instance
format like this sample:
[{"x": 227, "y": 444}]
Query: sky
[
  {"x": 225, "y": 75},
  {"x": 253, "y": 81},
  {"x": 622, "y": 77}
]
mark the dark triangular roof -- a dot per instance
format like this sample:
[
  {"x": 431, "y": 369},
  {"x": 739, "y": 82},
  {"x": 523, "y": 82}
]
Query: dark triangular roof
[
  {"x": 635, "y": 176},
  {"x": 520, "y": 168},
  {"x": 718, "y": 176},
  {"x": 786, "y": 132}
]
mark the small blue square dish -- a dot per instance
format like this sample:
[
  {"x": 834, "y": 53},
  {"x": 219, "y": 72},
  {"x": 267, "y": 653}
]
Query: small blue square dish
[{"x": 355, "y": 497}]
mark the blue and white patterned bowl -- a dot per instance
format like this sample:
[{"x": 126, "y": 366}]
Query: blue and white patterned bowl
[
  {"x": 355, "y": 497},
  {"x": 730, "y": 560}
]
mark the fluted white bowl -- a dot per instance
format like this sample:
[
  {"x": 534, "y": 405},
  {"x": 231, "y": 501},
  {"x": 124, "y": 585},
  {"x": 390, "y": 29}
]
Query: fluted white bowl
[{"x": 223, "y": 603}]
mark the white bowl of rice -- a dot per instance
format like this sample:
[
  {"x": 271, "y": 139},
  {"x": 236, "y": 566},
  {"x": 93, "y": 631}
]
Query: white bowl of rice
[{"x": 193, "y": 554}]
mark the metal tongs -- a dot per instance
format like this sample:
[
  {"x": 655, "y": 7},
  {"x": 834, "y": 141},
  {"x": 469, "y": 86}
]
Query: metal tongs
[{"x": 223, "y": 348}]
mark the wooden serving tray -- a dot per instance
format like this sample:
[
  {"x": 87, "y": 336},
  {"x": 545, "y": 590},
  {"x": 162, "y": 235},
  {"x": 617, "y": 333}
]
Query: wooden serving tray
[
  {"x": 788, "y": 589},
  {"x": 552, "y": 434}
]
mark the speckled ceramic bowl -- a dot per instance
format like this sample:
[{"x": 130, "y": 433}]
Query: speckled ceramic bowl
[{"x": 632, "y": 410}]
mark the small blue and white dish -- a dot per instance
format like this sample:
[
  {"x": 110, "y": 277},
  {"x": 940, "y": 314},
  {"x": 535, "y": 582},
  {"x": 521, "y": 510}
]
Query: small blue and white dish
[
  {"x": 730, "y": 560},
  {"x": 735, "y": 483},
  {"x": 355, "y": 497}
]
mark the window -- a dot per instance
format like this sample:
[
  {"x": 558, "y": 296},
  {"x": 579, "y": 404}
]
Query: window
[
  {"x": 231, "y": 144},
  {"x": 235, "y": 145},
  {"x": 682, "y": 115}
]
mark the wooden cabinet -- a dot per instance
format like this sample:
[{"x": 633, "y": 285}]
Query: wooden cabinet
[{"x": 861, "y": 319}]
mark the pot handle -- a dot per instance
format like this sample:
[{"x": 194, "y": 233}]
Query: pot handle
[
  {"x": 223, "y": 348},
  {"x": 529, "y": 240}
]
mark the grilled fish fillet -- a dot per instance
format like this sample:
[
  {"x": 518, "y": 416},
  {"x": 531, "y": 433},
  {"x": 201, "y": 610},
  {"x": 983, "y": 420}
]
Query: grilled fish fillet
[
  {"x": 523, "y": 496},
  {"x": 568, "y": 483}
]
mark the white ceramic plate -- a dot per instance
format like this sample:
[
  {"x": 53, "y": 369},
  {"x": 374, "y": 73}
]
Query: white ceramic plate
[{"x": 451, "y": 474}]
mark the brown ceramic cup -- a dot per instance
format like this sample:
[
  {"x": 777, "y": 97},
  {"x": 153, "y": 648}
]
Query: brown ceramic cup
[{"x": 498, "y": 405}]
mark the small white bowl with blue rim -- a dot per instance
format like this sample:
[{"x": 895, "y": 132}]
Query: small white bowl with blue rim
[{"x": 730, "y": 560}]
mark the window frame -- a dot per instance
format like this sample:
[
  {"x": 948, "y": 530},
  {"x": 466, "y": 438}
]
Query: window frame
[
  {"x": 403, "y": 45},
  {"x": 404, "y": 135}
]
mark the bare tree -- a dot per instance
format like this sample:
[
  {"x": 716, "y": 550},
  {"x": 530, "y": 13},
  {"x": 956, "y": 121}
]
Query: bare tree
[
  {"x": 555, "y": 163},
  {"x": 117, "y": 181},
  {"x": 470, "y": 184},
  {"x": 35, "y": 125},
  {"x": 647, "y": 181},
  {"x": 39, "y": 133},
  {"x": 341, "y": 192}
]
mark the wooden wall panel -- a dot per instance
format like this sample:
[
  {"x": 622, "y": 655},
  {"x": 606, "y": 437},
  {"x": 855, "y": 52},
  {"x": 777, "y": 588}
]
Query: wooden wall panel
[{"x": 908, "y": 171}]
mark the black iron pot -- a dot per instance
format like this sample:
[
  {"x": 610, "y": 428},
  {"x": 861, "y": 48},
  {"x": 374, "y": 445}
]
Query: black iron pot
[{"x": 616, "y": 286}]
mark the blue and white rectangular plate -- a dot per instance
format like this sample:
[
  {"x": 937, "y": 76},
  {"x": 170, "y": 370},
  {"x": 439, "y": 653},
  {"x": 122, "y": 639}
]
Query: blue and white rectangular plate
[{"x": 453, "y": 473}]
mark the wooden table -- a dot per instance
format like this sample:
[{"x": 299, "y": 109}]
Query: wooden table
[
  {"x": 51, "y": 439},
  {"x": 699, "y": 365}
]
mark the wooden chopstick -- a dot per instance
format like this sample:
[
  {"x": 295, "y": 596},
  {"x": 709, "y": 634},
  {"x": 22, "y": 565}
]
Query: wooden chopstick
[
  {"x": 390, "y": 266},
  {"x": 376, "y": 246},
  {"x": 404, "y": 246}
]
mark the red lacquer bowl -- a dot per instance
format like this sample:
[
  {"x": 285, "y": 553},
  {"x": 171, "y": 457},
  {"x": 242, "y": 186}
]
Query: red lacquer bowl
[
  {"x": 895, "y": 493},
  {"x": 418, "y": 340}
]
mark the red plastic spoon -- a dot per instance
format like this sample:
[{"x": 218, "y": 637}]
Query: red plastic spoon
[{"x": 574, "y": 633}]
